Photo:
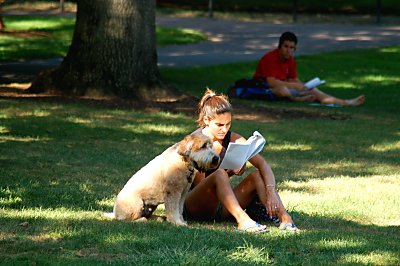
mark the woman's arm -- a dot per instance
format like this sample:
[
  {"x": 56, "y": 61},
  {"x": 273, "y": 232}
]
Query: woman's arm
[
  {"x": 273, "y": 201},
  {"x": 199, "y": 176}
]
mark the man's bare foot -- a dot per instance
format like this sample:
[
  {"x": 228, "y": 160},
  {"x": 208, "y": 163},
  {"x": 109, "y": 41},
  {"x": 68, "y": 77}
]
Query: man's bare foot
[{"x": 356, "y": 101}]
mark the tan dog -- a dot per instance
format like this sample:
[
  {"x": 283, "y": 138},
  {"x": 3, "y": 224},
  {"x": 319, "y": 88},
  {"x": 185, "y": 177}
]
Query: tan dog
[{"x": 165, "y": 179}]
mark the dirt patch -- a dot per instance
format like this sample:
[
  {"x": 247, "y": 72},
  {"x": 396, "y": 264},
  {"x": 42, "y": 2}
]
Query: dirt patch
[
  {"x": 24, "y": 34},
  {"x": 186, "y": 105}
]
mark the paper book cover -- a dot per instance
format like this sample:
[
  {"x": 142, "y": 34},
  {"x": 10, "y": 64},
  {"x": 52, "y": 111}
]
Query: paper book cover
[
  {"x": 314, "y": 83},
  {"x": 237, "y": 154}
]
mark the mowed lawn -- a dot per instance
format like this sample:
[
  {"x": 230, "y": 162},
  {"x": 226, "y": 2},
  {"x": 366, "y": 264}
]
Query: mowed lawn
[{"x": 63, "y": 162}]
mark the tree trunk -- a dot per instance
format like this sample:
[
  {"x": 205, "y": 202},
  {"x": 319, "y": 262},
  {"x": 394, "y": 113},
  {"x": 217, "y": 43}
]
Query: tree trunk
[
  {"x": 2, "y": 26},
  {"x": 113, "y": 52}
]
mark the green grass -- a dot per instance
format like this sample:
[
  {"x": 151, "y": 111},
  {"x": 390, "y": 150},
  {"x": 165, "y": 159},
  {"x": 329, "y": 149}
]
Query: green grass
[
  {"x": 62, "y": 163},
  {"x": 46, "y": 37}
]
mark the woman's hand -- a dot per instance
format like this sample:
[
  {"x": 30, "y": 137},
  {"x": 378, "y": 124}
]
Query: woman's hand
[
  {"x": 238, "y": 171},
  {"x": 273, "y": 203}
]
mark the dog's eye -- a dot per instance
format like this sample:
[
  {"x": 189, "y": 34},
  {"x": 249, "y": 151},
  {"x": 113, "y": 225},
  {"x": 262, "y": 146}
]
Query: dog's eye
[{"x": 205, "y": 145}]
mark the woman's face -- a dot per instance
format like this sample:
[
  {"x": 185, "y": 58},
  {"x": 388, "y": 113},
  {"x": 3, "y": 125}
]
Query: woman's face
[{"x": 219, "y": 125}]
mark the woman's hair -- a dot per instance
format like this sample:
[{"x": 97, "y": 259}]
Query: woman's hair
[{"x": 212, "y": 105}]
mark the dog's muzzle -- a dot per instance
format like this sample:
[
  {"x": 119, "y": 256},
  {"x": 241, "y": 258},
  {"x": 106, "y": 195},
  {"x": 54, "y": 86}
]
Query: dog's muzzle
[{"x": 215, "y": 160}]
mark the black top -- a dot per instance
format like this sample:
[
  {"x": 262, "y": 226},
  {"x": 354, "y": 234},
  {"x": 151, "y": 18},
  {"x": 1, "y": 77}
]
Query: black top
[{"x": 225, "y": 143}]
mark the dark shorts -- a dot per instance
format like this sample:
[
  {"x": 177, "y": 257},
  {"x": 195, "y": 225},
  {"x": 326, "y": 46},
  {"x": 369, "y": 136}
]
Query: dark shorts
[{"x": 294, "y": 92}]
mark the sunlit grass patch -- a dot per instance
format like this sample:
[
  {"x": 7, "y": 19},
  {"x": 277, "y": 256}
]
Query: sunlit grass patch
[
  {"x": 351, "y": 199},
  {"x": 160, "y": 128},
  {"x": 288, "y": 146},
  {"x": 46, "y": 37},
  {"x": 372, "y": 258},
  {"x": 5, "y": 138},
  {"x": 388, "y": 146},
  {"x": 250, "y": 254}
]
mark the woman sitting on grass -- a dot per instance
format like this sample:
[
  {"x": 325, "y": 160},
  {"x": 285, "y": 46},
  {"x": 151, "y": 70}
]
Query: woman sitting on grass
[{"x": 212, "y": 197}]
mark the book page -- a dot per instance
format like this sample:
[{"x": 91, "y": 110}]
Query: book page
[
  {"x": 237, "y": 154},
  {"x": 314, "y": 83},
  {"x": 257, "y": 144}
]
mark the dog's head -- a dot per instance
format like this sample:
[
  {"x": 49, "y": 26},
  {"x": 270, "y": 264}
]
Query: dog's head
[{"x": 198, "y": 149}]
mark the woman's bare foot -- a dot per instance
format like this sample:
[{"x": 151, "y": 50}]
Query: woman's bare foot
[
  {"x": 356, "y": 101},
  {"x": 251, "y": 226},
  {"x": 287, "y": 224}
]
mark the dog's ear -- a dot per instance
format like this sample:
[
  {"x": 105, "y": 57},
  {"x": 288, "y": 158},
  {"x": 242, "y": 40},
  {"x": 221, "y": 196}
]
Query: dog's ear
[{"x": 185, "y": 146}]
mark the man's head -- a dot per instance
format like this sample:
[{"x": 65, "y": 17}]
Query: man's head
[
  {"x": 287, "y": 45},
  {"x": 287, "y": 36}
]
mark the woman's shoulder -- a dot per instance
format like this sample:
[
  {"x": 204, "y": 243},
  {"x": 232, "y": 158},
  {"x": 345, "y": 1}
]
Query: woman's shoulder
[{"x": 236, "y": 137}]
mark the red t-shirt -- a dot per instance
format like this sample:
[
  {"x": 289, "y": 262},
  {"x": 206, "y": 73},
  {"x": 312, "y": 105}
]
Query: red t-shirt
[{"x": 270, "y": 65}]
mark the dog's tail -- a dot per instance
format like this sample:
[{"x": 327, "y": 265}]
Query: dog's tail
[{"x": 110, "y": 215}]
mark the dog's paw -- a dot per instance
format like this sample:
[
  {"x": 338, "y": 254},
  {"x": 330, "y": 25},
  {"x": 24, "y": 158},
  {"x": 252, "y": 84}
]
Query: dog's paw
[{"x": 180, "y": 223}]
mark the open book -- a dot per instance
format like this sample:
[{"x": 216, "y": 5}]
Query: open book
[
  {"x": 314, "y": 83},
  {"x": 237, "y": 154}
]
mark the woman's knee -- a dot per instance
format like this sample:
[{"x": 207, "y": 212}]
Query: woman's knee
[
  {"x": 254, "y": 178},
  {"x": 220, "y": 176},
  {"x": 255, "y": 175}
]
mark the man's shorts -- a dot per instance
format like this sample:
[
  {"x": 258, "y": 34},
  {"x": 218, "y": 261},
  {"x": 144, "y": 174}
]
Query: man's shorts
[{"x": 294, "y": 92}]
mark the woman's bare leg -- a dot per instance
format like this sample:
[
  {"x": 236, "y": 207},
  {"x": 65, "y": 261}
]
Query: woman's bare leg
[
  {"x": 202, "y": 202},
  {"x": 246, "y": 190}
]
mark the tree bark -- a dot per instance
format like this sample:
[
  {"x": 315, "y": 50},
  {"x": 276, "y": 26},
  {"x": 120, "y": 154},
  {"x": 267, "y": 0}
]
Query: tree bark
[
  {"x": 2, "y": 26},
  {"x": 113, "y": 53}
]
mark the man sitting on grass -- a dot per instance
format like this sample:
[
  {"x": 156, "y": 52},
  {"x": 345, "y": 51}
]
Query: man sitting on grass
[{"x": 278, "y": 68}]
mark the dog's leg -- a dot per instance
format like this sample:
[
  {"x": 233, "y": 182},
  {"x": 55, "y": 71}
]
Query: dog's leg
[
  {"x": 182, "y": 202},
  {"x": 128, "y": 208},
  {"x": 172, "y": 210}
]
